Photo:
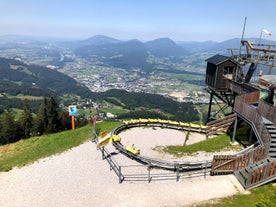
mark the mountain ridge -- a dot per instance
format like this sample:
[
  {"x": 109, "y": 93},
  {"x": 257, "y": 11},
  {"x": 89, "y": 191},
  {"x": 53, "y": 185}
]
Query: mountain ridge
[{"x": 190, "y": 46}]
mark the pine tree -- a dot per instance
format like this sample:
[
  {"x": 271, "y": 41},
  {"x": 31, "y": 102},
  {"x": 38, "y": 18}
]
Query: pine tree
[
  {"x": 41, "y": 120},
  {"x": 2, "y": 138},
  {"x": 26, "y": 120},
  {"x": 52, "y": 116},
  {"x": 65, "y": 120},
  {"x": 10, "y": 129}
]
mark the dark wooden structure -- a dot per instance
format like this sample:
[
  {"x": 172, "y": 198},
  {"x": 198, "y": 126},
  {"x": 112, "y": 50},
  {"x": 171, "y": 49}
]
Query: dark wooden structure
[{"x": 220, "y": 70}]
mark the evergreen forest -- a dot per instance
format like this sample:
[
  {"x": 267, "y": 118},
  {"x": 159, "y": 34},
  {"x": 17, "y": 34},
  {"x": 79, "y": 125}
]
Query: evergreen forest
[{"x": 49, "y": 119}]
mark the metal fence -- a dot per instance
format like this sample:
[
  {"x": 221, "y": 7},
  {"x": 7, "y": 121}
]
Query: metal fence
[{"x": 149, "y": 172}]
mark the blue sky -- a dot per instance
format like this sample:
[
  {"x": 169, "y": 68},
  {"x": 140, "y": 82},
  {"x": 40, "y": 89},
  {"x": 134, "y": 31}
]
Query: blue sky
[{"x": 180, "y": 20}]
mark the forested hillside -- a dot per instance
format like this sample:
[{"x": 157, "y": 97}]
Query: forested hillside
[
  {"x": 36, "y": 79},
  {"x": 18, "y": 78},
  {"x": 163, "y": 106}
]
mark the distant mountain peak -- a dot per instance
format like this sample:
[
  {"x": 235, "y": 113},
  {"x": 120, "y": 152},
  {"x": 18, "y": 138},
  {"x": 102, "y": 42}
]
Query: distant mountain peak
[
  {"x": 133, "y": 40},
  {"x": 163, "y": 47},
  {"x": 100, "y": 40},
  {"x": 163, "y": 40}
]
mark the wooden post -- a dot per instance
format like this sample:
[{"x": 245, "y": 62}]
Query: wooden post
[
  {"x": 209, "y": 108},
  {"x": 235, "y": 130},
  {"x": 73, "y": 122},
  {"x": 250, "y": 135}
]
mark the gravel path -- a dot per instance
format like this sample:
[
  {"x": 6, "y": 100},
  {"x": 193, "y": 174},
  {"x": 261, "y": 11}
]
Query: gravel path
[{"x": 79, "y": 177}]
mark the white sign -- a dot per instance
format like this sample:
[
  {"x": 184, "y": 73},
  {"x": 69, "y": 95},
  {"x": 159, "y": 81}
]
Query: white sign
[{"x": 73, "y": 110}]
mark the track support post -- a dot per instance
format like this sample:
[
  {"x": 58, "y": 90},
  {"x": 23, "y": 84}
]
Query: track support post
[
  {"x": 120, "y": 175},
  {"x": 177, "y": 173},
  {"x": 103, "y": 153},
  {"x": 149, "y": 177}
]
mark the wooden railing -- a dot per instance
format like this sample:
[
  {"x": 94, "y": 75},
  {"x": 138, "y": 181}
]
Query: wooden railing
[
  {"x": 223, "y": 164},
  {"x": 240, "y": 88},
  {"x": 267, "y": 111},
  {"x": 252, "y": 115},
  {"x": 218, "y": 126},
  {"x": 261, "y": 174},
  {"x": 230, "y": 163},
  {"x": 244, "y": 107},
  {"x": 250, "y": 98}
]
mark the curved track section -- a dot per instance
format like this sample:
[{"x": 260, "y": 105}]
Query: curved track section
[{"x": 171, "y": 165}]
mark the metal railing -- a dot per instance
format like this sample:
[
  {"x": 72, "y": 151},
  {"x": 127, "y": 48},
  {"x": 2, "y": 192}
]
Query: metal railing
[
  {"x": 112, "y": 163},
  {"x": 151, "y": 172},
  {"x": 164, "y": 164}
]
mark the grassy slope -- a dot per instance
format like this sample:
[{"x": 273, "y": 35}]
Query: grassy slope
[
  {"x": 263, "y": 196},
  {"x": 221, "y": 142},
  {"x": 27, "y": 151}
]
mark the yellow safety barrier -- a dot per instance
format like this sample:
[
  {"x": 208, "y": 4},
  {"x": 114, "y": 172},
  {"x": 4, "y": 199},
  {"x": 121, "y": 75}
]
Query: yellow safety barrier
[
  {"x": 184, "y": 124},
  {"x": 162, "y": 121}
]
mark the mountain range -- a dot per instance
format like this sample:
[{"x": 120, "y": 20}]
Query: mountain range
[
  {"x": 187, "y": 47},
  {"x": 111, "y": 52},
  {"x": 165, "y": 45},
  {"x": 134, "y": 53},
  {"x": 117, "y": 53},
  {"x": 161, "y": 47}
]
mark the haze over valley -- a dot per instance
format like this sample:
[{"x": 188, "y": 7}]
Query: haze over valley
[{"x": 103, "y": 63}]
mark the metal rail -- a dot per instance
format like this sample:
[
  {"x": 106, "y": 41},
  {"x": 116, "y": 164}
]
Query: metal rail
[{"x": 169, "y": 165}]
